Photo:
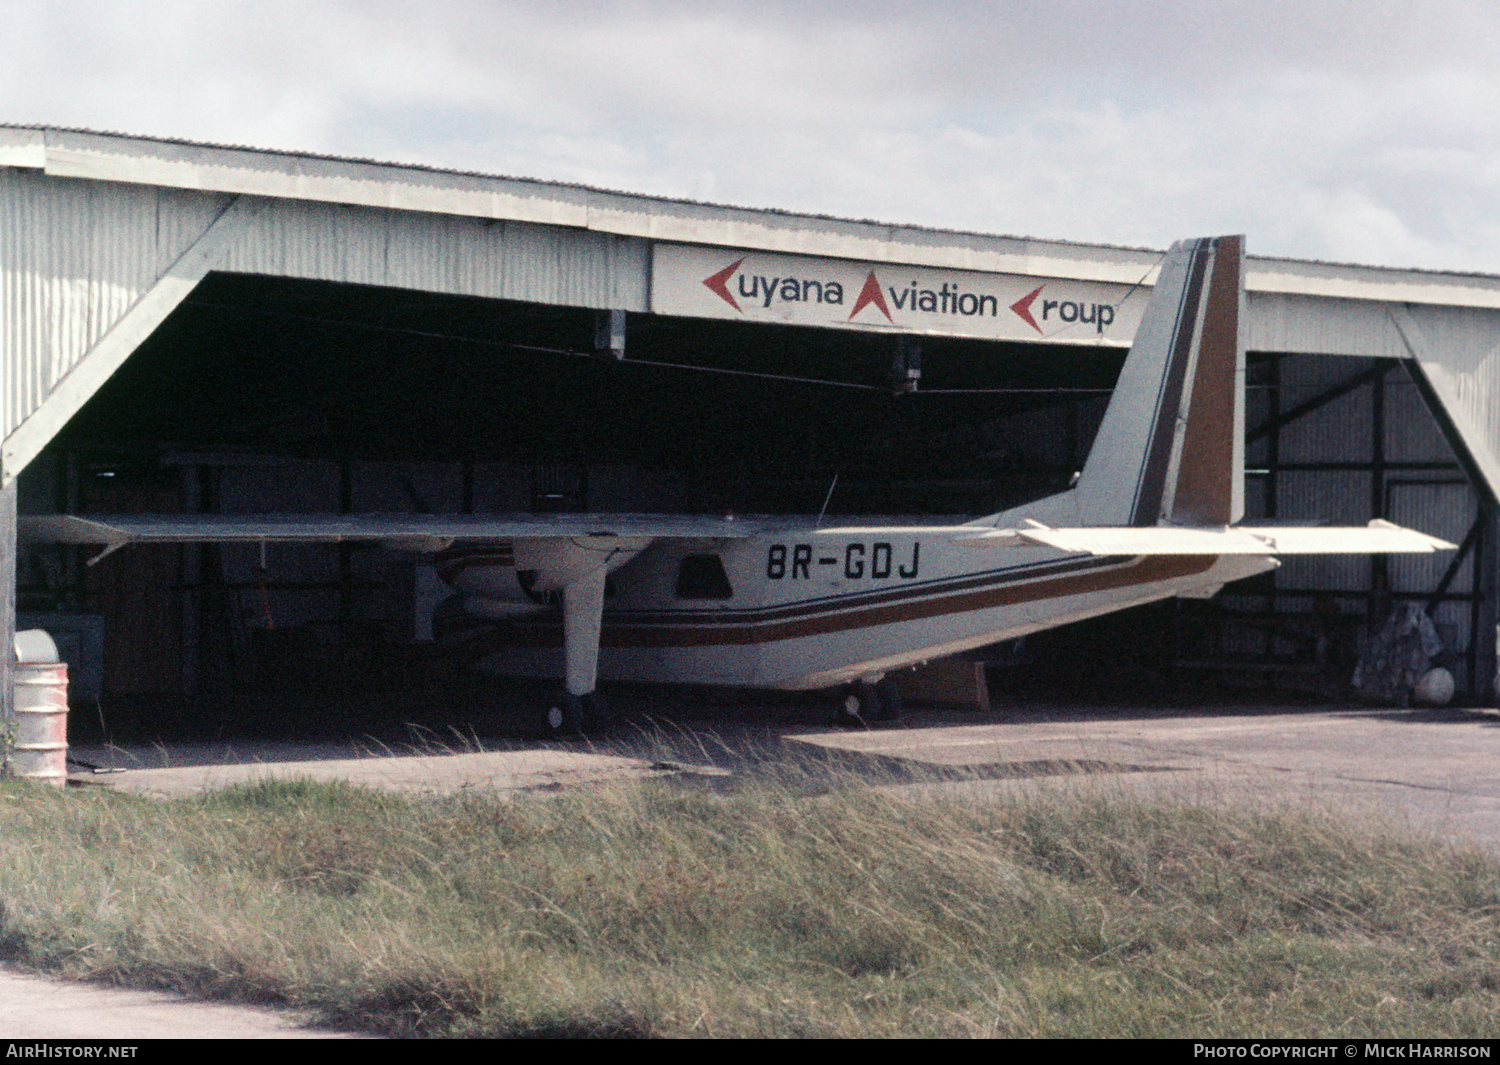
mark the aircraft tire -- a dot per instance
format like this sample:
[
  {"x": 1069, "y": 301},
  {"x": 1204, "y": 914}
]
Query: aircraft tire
[
  {"x": 565, "y": 715},
  {"x": 596, "y": 713},
  {"x": 890, "y": 701},
  {"x": 858, "y": 705}
]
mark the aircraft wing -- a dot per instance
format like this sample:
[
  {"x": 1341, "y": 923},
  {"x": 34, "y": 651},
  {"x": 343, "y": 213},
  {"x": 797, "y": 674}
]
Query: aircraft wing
[
  {"x": 1376, "y": 538},
  {"x": 414, "y": 532}
]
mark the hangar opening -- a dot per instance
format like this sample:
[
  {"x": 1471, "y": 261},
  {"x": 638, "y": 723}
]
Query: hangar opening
[
  {"x": 261, "y": 395},
  {"x": 744, "y": 417}
]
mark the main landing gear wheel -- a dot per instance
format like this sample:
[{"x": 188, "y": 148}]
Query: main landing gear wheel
[
  {"x": 863, "y": 703},
  {"x": 565, "y": 716},
  {"x": 858, "y": 706},
  {"x": 577, "y": 715}
]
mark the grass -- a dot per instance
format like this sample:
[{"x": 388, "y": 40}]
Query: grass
[{"x": 778, "y": 910}]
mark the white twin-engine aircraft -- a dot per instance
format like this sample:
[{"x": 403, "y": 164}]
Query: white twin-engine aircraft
[{"x": 784, "y": 603}]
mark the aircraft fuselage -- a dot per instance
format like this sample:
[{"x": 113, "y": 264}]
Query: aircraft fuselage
[{"x": 801, "y": 607}]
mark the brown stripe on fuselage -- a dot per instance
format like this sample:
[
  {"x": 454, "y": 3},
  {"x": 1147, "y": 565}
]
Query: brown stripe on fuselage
[
  {"x": 859, "y": 600},
  {"x": 1204, "y": 494},
  {"x": 698, "y": 630}
]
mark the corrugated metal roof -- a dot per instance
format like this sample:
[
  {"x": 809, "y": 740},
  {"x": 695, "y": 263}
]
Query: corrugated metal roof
[
  {"x": 302, "y": 176},
  {"x": 79, "y": 153},
  {"x": 32, "y": 146}
]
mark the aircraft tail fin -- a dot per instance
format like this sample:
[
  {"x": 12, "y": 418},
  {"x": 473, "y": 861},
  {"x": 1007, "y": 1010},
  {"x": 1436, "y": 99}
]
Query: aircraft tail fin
[{"x": 1171, "y": 447}]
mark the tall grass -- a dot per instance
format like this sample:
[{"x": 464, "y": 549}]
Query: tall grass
[{"x": 648, "y": 909}]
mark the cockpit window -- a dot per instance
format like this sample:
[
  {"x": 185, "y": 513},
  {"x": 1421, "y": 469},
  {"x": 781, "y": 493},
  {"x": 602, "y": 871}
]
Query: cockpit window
[{"x": 703, "y": 577}]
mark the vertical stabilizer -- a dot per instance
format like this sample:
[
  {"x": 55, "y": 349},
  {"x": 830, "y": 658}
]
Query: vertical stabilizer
[{"x": 1171, "y": 447}]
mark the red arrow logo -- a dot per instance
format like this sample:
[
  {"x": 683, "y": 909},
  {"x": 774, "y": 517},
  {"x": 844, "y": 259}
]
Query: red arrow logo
[
  {"x": 871, "y": 294},
  {"x": 718, "y": 284},
  {"x": 1022, "y": 307}
]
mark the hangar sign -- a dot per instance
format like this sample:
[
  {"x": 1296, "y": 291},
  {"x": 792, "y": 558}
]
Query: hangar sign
[{"x": 701, "y": 282}]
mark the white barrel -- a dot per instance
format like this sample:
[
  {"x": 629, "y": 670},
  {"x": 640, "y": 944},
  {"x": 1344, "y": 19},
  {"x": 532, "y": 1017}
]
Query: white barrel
[{"x": 41, "y": 748}]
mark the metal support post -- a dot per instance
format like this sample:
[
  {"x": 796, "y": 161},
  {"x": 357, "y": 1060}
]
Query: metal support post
[
  {"x": 1486, "y": 615},
  {"x": 609, "y": 334},
  {"x": 7, "y": 619},
  {"x": 906, "y": 367}
]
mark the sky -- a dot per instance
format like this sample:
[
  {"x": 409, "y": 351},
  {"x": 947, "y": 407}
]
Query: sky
[{"x": 1349, "y": 132}]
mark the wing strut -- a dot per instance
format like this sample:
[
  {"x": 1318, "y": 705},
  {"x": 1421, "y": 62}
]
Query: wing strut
[{"x": 583, "y": 617}]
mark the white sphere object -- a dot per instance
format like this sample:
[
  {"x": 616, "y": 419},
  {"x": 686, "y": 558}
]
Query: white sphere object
[{"x": 1434, "y": 688}]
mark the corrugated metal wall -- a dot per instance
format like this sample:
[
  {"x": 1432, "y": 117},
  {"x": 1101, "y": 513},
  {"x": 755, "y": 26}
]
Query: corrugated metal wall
[
  {"x": 1316, "y": 325},
  {"x": 448, "y": 254},
  {"x": 1365, "y": 445},
  {"x": 76, "y": 255}
]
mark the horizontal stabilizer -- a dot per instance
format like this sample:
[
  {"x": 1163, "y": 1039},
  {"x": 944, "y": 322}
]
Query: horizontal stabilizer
[
  {"x": 1375, "y": 538},
  {"x": 1378, "y": 537}
]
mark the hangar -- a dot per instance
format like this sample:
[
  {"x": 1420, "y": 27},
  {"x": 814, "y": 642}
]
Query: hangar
[{"x": 199, "y": 328}]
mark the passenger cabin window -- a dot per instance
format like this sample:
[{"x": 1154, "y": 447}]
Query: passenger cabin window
[{"x": 703, "y": 577}]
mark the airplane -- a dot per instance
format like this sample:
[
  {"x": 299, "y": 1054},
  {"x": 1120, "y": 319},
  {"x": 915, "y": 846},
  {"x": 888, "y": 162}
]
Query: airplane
[{"x": 785, "y": 603}]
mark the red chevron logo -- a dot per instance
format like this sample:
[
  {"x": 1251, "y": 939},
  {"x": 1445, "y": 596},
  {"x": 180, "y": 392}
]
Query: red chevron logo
[
  {"x": 871, "y": 294},
  {"x": 1022, "y": 307},
  {"x": 718, "y": 283}
]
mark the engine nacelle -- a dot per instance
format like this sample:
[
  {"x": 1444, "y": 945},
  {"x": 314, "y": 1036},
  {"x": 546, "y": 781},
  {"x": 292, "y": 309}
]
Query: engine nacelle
[{"x": 512, "y": 578}]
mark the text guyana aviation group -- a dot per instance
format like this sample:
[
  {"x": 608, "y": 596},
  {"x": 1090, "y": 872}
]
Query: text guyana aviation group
[
  {"x": 1339, "y": 1050},
  {"x": 764, "y": 290}
]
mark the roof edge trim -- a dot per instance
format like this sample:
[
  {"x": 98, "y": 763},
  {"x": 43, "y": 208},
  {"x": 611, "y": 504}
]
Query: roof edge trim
[{"x": 23, "y": 147}]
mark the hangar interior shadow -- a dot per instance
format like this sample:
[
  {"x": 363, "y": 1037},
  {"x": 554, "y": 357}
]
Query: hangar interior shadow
[
  {"x": 270, "y": 394},
  {"x": 317, "y": 370}
]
